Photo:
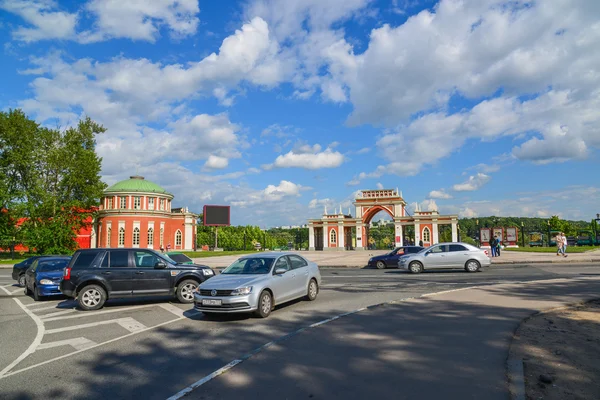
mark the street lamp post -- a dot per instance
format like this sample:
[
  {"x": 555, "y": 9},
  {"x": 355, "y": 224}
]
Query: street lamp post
[
  {"x": 522, "y": 234},
  {"x": 478, "y": 233},
  {"x": 12, "y": 248},
  {"x": 548, "y": 233},
  {"x": 458, "y": 229}
]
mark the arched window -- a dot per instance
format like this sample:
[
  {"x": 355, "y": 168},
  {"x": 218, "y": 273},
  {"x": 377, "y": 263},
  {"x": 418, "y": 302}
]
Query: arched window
[
  {"x": 333, "y": 236},
  {"x": 178, "y": 238},
  {"x": 136, "y": 236},
  {"x": 426, "y": 235},
  {"x": 121, "y": 236},
  {"x": 108, "y": 232},
  {"x": 150, "y": 236},
  {"x": 162, "y": 237}
]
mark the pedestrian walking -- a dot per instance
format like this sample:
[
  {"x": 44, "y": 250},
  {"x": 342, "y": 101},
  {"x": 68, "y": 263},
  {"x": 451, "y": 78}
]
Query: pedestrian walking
[
  {"x": 493, "y": 246},
  {"x": 564, "y": 241},
  {"x": 559, "y": 245},
  {"x": 498, "y": 247}
]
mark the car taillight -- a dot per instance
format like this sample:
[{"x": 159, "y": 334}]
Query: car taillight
[
  {"x": 486, "y": 253},
  {"x": 67, "y": 274}
]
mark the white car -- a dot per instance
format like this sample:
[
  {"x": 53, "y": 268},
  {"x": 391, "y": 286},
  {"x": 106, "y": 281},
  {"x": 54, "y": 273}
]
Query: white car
[
  {"x": 257, "y": 283},
  {"x": 446, "y": 255}
]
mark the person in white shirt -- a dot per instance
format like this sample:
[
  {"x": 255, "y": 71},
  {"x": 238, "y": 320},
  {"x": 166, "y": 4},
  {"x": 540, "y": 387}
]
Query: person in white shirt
[{"x": 564, "y": 241}]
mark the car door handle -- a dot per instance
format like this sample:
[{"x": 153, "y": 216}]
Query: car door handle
[
  {"x": 106, "y": 273},
  {"x": 139, "y": 272}
]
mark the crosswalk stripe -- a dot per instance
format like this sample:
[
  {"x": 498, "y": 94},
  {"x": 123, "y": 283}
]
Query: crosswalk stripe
[
  {"x": 93, "y": 314},
  {"x": 79, "y": 343},
  {"x": 128, "y": 323},
  {"x": 43, "y": 317},
  {"x": 173, "y": 309}
]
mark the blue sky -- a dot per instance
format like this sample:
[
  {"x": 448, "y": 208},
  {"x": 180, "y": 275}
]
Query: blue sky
[{"x": 283, "y": 107}]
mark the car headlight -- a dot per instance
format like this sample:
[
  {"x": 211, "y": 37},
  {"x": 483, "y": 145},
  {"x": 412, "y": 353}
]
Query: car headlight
[
  {"x": 370, "y": 259},
  {"x": 207, "y": 271},
  {"x": 242, "y": 291},
  {"x": 46, "y": 282}
]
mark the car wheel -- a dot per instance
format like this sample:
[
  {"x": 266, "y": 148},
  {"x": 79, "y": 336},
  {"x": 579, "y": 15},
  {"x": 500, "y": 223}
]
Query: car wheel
[
  {"x": 265, "y": 304},
  {"x": 21, "y": 280},
  {"x": 27, "y": 291},
  {"x": 36, "y": 294},
  {"x": 380, "y": 265},
  {"x": 185, "y": 291},
  {"x": 313, "y": 290},
  {"x": 472, "y": 266},
  {"x": 91, "y": 297},
  {"x": 415, "y": 267}
]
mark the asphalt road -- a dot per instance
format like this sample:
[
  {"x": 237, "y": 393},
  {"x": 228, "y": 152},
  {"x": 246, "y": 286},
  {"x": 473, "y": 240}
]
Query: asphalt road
[{"x": 153, "y": 349}]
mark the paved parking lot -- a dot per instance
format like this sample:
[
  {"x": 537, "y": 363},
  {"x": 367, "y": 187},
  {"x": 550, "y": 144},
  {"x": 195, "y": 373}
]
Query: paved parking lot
[{"x": 155, "y": 348}]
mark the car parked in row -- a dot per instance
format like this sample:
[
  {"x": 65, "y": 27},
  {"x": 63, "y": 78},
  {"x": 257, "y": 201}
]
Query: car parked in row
[
  {"x": 257, "y": 283},
  {"x": 446, "y": 255},
  {"x": 43, "y": 277},
  {"x": 391, "y": 259},
  {"x": 18, "y": 272},
  {"x": 96, "y": 275}
]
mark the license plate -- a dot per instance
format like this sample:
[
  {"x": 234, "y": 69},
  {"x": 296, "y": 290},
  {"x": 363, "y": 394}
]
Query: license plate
[{"x": 206, "y": 302}]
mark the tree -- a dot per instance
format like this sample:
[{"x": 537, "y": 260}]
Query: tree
[{"x": 52, "y": 179}]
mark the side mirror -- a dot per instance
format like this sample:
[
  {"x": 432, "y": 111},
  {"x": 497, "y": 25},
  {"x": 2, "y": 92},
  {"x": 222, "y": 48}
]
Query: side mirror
[
  {"x": 427, "y": 253},
  {"x": 280, "y": 271},
  {"x": 160, "y": 265}
]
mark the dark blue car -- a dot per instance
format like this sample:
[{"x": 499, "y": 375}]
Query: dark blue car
[
  {"x": 18, "y": 272},
  {"x": 44, "y": 276},
  {"x": 391, "y": 259}
]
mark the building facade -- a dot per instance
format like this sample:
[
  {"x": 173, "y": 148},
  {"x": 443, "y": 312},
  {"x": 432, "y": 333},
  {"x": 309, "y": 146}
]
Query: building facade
[
  {"x": 336, "y": 231},
  {"x": 138, "y": 213}
]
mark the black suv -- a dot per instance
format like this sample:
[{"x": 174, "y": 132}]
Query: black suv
[
  {"x": 96, "y": 275},
  {"x": 18, "y": 272}
]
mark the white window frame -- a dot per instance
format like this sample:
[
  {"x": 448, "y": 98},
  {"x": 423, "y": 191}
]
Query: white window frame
[
  {"x": 426, "y": 235},
  {"x": 137, "y": 203},
  {"x": 151, "y": 203},
  {"x": 123, "y": 202},
  {"x": 162, "y": 204},
  {"x": 108, "y": 234},
  {"x": 333, "y": 237},
  {"x": 136, "y": 236},
  {"x": 109, "y": 203},
  {"x": 121, "y": 237},
  {"x": 178, "y": 238},
  {"x": 150, "y": 236},
  {"x": 162, "y": 238}
]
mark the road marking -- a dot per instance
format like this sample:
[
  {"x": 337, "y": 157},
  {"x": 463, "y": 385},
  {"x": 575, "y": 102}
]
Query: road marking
[
  {"x": 52, "y": 307},
  {"x": 128, "y": 323},
  {"x": 191, "y": 314},
  {"x": 90, "y": 314},
  {"x": 79, "y": 343},
  {"x": 46, "y": 316},
  {"x": 202, "y": 381},
  {"x": 10, "y": 284},
  {"x": 17, "y": 290},
  {"x": 36, "y": 342},
  {"x": 172, "y": 309}
]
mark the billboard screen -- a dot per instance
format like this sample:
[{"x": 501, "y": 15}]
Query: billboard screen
[
  {"x": 216, "y": 216},
  {"x": 511, "y": 234}
]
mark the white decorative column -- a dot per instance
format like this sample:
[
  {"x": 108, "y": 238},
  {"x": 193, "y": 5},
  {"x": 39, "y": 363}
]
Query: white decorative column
[
  {"x": 340, "y": 236},
  {"x": 399, "y": 234},
  {"x": 325, "y": 236},
  {"x": 454, "y": 232},
  {"x": 311, "y": 237},
  {"x": 359, "y": 236},
  {"x": 417, "y": 233},
  {"x": 436, "y": 236}
]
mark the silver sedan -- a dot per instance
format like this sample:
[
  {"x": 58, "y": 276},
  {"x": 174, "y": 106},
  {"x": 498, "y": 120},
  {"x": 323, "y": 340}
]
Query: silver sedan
[
  {"x": 257, "y": 283},
  {"x": 446, "y": 255}
]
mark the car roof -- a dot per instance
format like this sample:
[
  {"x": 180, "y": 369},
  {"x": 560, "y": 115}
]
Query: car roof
[
  {"x": 270, "y": 254},
  {"x": 53, "y": 258}
]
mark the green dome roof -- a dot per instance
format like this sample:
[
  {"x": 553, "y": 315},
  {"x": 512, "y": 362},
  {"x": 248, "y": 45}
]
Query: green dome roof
[{"x": 136, "y": 184}]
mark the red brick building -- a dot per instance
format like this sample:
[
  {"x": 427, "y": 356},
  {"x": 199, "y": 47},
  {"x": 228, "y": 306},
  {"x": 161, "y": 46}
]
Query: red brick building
[{"x": 138, "y": 213}]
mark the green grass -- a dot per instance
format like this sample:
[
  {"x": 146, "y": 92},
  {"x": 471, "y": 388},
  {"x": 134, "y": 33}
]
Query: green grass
[
  {"x": 205, "y": 254},
  {"x": 9, "y": 261},
  {"x": 570, "y": 249}
]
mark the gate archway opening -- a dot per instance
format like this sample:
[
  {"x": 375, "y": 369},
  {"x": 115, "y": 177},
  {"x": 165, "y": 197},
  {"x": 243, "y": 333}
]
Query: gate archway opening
[{"x": 379, "y": 229}]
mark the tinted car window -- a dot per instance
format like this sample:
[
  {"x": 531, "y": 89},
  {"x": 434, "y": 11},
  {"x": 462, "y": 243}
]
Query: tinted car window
[
  {"x": 457, "y": 247},
  {"x": 34, "y": 266},
  {"x": 56, "y": 265},
  {"x": 414, "y": 249},
  {"x": 84, "y": 259},
  {"x": 251, "y": 266},
  {"x": 282, "y": 263},
  {"x": 180, "y": 258},
  {"x": 297, "y": 262},
  {"x": 119, "y": 258},
  {"x": 145, "y": 259}
]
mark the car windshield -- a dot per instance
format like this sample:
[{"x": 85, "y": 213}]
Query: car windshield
[
  {"x": 54, "y": 265},
  {"x": 249, "y": 266},
  {"x": 179, "y": 258}
]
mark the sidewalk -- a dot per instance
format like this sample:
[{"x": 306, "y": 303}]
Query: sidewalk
[{"x": 453, "y": 346}]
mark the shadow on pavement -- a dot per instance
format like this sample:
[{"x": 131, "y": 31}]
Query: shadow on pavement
[{"x": 424, "y": 349}]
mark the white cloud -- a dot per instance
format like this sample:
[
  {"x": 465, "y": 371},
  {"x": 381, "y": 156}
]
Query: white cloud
[
  {"x": 439, "y": 194},
  {"x": 379, "y": 185},
  {"x": 271, "y": 194},
  {"x": 364, "y": 150},
  {"x": 467, "y": 213},
  {"x": 475, "y": 182},
  {"x": 216, "y": 162},
  {"x": 46, "y": 21},
  {"x": 308, "y": 157}
]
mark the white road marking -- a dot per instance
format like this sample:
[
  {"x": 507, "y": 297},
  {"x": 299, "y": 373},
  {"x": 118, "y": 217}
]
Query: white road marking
[
  {"x": 17, "y": 290},
  {"x": 52, "y": 307},
  {"x": 36, "y": 304},
  {"x": 94, "y": 313},
  {"x": 36, "y": 342},
  {"x": 54, "y": 314},
  {"x": 93, "y": 347},
  {"x": 172, "y": 309},
  {"x": 202, "y": 381},
  {"x": 128, "y": 323},
  {"x": 79, "y": 343},
  {"x": 10, "y": 284}
]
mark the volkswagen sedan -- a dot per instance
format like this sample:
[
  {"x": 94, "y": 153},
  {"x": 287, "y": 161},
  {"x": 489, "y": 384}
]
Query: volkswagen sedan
[
  {"x": 258, "y": 283},
  {"x": 446, "y": 255}
]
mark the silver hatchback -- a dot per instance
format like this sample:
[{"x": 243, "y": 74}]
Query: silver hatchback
[
  {"x": 257, "y": 283},
  {"x": 446, "y": 255}
]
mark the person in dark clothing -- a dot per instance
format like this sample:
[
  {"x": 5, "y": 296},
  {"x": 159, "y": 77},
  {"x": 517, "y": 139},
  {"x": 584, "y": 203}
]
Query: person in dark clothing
[{"x": 421, "y": 243}]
